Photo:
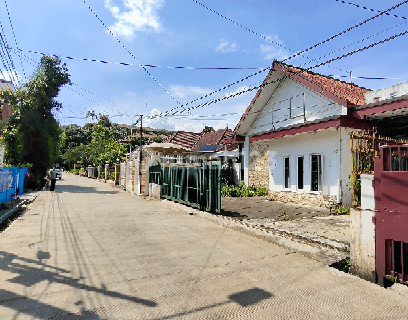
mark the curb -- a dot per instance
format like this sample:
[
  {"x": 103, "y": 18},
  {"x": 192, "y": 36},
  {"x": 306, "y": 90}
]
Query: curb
[{"x": 22, "y": 204}]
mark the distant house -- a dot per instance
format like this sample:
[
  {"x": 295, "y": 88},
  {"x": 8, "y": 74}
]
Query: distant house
[
  {"x": 295, "y": 135},
  {"x": 6, "y": 109},
  {"x": 201, "y": 143}
]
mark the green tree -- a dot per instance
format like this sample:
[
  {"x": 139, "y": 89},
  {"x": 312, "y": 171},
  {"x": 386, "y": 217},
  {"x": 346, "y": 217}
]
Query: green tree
[
  {"x": 101, "y": 137},
  {"x": 79, "y": 153},
  {"x": 113, "y": 151},
  {"x": 157, "y": 139},
  {"x": 207, "y": 129},
  {"x": 104, "y": 120},
  {"x": 31, "y": 134}
]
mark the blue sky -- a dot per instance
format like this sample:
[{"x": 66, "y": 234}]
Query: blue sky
[{"x": 182, "y": 33}]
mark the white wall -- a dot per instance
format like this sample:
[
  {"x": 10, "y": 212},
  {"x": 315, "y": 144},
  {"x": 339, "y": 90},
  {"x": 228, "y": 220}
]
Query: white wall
[
  {"x": 345, "y": 161},
  {"x": 387, "y": 93},
  {"x": 291, "y": 96},
  {"x": 330, "y": 143}
]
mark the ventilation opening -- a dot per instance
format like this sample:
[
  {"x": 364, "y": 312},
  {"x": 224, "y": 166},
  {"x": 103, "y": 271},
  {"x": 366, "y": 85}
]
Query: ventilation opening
[{"x": 396, "y": 256}]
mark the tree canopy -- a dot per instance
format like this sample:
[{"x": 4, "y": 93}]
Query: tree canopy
[
  {"x": 31, "y": 134},
  {"x": 208, "y": 129}
]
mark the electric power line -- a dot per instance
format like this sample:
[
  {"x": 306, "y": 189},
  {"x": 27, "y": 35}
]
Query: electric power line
[
  {"x": 294, "y": 55},
  {"x": 5, "y": 56},
  {"x": 131, "y": 54},
  {"x": 365, "y": 8},
  {"x": 302, "y": 70},
  {"x": 145, "y": 65},
  {"x": 347, "y": 30},
  {"x": 14, "y": 34}
]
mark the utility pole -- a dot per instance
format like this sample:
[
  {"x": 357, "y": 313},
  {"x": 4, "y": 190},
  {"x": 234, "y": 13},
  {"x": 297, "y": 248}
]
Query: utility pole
[
  {"x": 140, "y": 153},
  {"x": 131, "y": 135}
]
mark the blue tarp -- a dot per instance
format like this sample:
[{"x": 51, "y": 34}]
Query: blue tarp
[{"x": 11, "y": 182}]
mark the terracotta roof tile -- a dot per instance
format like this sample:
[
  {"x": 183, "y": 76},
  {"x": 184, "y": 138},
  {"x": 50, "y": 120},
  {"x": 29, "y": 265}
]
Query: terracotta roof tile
[
  {"x": 213, "y": 138},
  {"x": 184, "y": 139},
  {"x": 350, "y": 92}
]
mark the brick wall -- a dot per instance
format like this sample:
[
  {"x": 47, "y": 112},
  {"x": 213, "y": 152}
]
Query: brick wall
[{"x": 258, "y": 170}]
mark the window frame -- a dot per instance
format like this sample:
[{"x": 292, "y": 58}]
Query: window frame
[
  {"x": 286, "y": 179},
  {"x": 320, "y": 173},
  {"x": 303, "y": 173}
]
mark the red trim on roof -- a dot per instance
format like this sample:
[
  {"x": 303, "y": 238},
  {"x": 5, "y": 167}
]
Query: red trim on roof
[
  {"x": 300, "y": 77},
  {"x": 258, "y": 93},
  {"x": 235, "y": 139},
  {"x": 309, "y": 127},
  {"x": 368, "y": 110}
]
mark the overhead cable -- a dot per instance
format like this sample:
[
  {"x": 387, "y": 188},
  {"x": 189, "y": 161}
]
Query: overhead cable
[
  {"x": 14, "y": 34},
  {"x": 131, "y": 54},
  {"x": 6, "y": 58},
  {"x": 147, "y": 65},
  {"x": 365, "y": 8},
  {"x": 296, "y": 73},
  {"x": 291, "y": 57},
  {"x": 347, "y": 30},
  {"x": 254, "y": 32},
  {"x": 348, "y": 46}
]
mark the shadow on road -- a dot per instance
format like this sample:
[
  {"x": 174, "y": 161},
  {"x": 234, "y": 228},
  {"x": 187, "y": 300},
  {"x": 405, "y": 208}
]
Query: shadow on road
[
  {"x": 244, "y": 299},
  {"x": 29, "y": 272},
  {"x": 80, "y": 189},
  {"x": 40, "y": 310}
]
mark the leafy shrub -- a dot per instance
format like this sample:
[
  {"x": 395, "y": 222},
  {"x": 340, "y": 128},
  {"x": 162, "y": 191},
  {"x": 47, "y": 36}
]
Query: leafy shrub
[
  {"x": 101, "y": 175},
  {"x": 344, "y": 209},
  {"x": 241, "y": 190},
  {"x": 110, "y": 175}
]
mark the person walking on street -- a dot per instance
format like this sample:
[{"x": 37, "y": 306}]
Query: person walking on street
[{"x": 53, "y": 178}]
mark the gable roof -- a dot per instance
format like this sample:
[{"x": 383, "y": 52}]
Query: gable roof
[
  {"x": 184, "y": 139},
  {"x": 344, "y": 93},
  {"x": 213, "y": 138},
  {"x": 194, "y": 141}
]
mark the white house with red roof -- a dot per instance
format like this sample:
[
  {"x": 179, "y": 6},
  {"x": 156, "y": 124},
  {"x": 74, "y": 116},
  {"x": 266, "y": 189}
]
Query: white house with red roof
[{"x": 295, "y": 133}]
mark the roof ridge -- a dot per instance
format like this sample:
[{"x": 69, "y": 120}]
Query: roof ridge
[{"x": 319, "y": 74}]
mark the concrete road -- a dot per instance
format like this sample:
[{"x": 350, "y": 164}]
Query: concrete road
[{"x": 90, "y": 251}]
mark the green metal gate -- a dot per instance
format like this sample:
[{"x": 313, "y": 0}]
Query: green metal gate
[{"x": 196, "y": 185}]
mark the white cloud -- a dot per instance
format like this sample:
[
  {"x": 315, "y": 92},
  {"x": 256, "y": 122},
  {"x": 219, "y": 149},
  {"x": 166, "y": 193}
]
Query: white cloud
[
  {"x": 141, "y": 16},
  {"x": 270, "y": 52},
  {"x": 240, "y": 89},
  {"x": 181, "y": 91},
  {"x": 226, "y": 46},
  {"x": 274, "y": 38}
]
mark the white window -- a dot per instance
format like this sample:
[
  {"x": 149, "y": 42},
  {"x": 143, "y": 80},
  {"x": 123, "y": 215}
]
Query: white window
[
  {"x": 286, "y": 172},
  {"x": 300, "y": 172},
  {"x": 316, "y": 172}
]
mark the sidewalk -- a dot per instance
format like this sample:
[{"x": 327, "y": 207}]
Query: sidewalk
[
  {"x": 309, "y": 230},
  {"x": 25, "y": 199}
]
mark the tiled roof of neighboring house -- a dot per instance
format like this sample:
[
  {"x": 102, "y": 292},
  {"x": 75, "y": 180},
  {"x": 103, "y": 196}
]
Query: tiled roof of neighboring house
[
  {"x": 137, "y": 135},
  {"x": 230, "y": 147},
  {"x": 213, "y": 138},
  {"x": 193, "y": 141},
  {"x": 184, "y": 139},
  {"x": 348, "y": 92}
]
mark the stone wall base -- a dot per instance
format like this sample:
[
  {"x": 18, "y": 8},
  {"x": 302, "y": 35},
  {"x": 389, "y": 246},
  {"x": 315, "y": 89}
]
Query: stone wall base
[{"x": 309, "y": 199}]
